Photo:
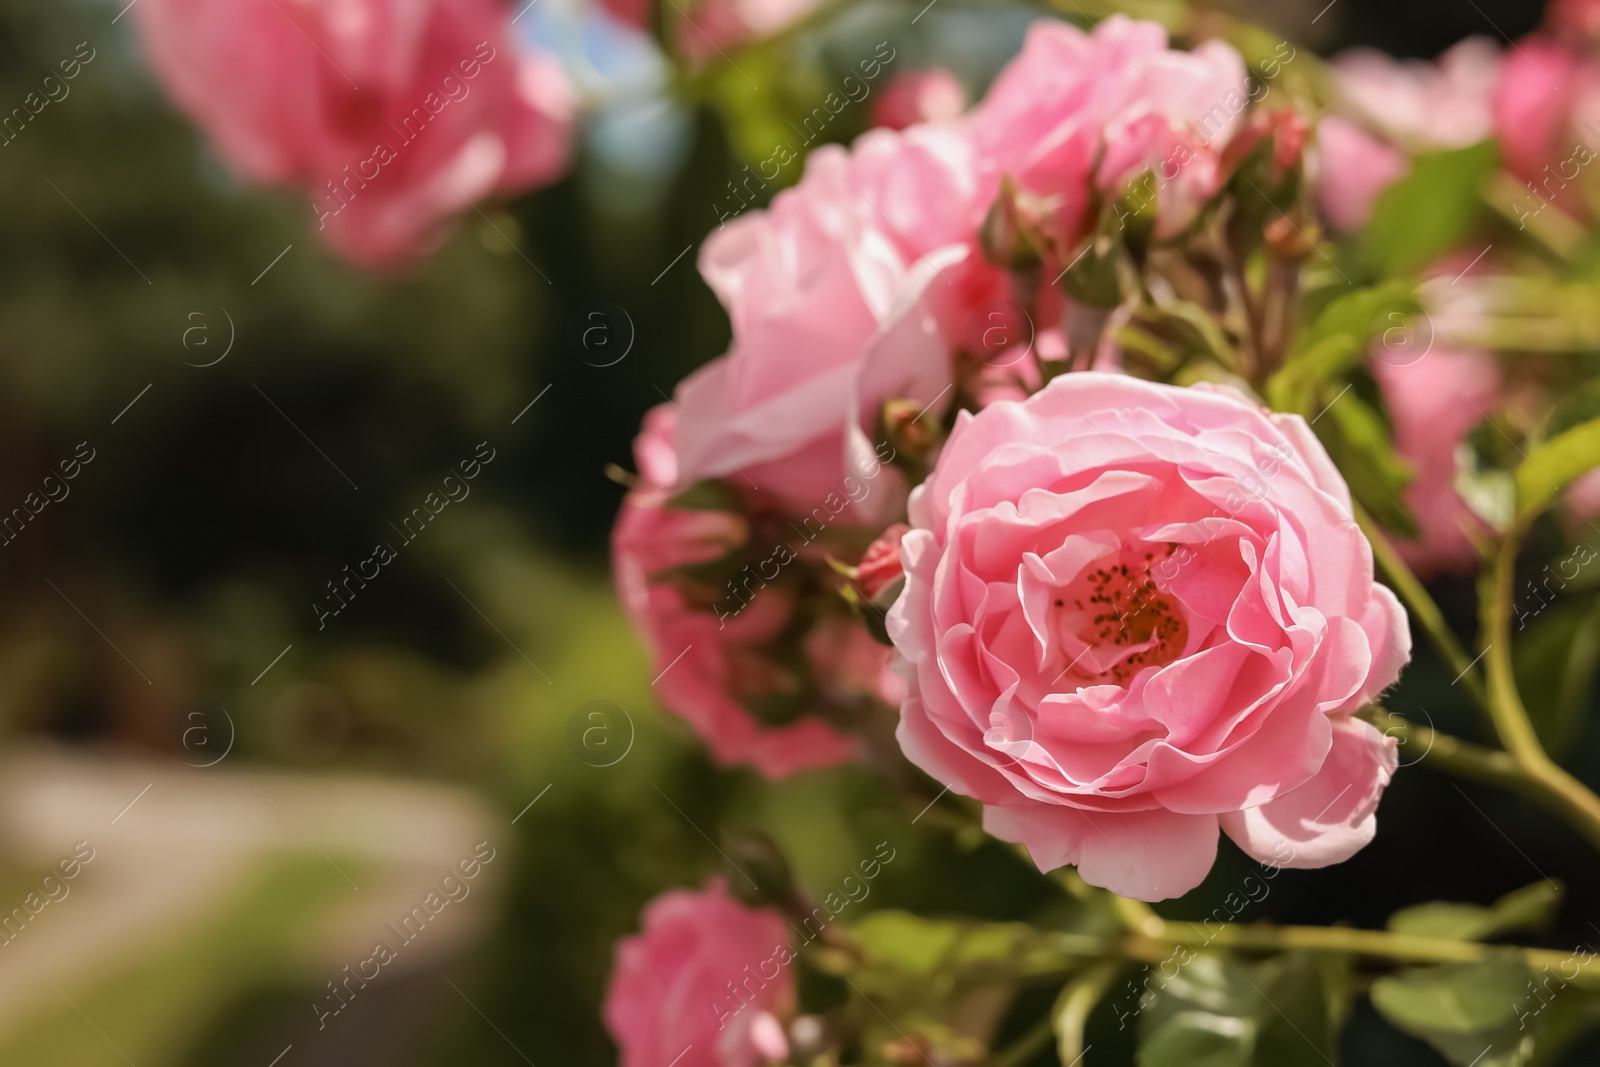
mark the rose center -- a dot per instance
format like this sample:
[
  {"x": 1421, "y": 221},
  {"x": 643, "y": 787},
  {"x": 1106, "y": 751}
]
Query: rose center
[{"x": 1115, "y": 619}]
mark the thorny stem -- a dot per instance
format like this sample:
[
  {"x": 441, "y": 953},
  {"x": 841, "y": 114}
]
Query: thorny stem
[{"x": 1563, "y": 792}]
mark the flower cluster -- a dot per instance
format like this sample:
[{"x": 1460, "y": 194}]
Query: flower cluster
[{"x": 1121, "y": 614}]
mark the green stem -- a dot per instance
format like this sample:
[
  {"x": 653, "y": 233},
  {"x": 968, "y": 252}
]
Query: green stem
[
  {"x": 1557, "y": 231},
  {"x": 1025, "y": 1047},
  {"x": 1565, "y": 793},
  {"x": 1380, "y": 944},
  {"x": 1449, "y": 753},
  {"x": 1422, "y": 608},
  {"x": 1077, "y": 1000}
]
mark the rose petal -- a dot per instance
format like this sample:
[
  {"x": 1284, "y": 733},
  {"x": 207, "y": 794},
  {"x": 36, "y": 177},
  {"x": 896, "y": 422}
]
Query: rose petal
[{"x": 1330, "y": 817}]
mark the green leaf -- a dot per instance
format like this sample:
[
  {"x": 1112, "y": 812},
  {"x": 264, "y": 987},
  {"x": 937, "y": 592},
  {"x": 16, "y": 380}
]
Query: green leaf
[
  {"x": 1185, "y": 330},
  {"x": 1220, "y": 1011},
  {"x": 1096, "y": 277},
  {"x": 1338, "y": 340},
  {"x": 1530, "y": 906},
  {"x": 1461, "y": 922},
  {"x": 1551, "y": 466},
  {"x": 1556, "y": 658},
  {"x": 906, "y": 942},
  {"x": 1470, "y": 1012},
  {"x": 1431, "y": 209},
  {"x": 1200, "y": 1039},
  {"x": 1561, "y": 1021}
]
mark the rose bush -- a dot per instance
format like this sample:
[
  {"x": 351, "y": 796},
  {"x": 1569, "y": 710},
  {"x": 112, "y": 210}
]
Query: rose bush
[{"x": 1134, "y": 613}]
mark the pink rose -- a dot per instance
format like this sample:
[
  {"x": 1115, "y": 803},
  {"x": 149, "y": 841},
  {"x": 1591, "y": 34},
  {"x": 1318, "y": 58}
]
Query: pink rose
[
  {"x": 1433, "y": 404},
  {"x": 392, "y": 117},
  {"x": 840, "y": 296},
  {"x": 1134, "y": 613},
  {"x": 1077, "y": 113},
  {"x": 920, "y": 96},
  {"x": 706, "y": 983},
  {"x": 708, "y": 646}
]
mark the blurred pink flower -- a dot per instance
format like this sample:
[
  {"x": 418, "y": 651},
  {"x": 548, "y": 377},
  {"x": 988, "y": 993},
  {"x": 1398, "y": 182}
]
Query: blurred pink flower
[
  {"x": 633, "y": 12},
  {"x": 1533, "y": 104},
  {"x": 707, "y": 666},
  {"x": 1421, "y": 106},
  {"x": 709, "y": 27},
  {"x": 1574, "y": 20},
  {"x": 1354, "y": 168},
  {"x": 1583, "y": 499},
  {"x": 1433, "y": 404},
  {"x": 1387, "y": 109},
  {"x": 1134, "y": 613},
  {"x": 392, "y": 115},
  {"x": 705, "y": 983},
  {"x": 1547, "y": 118},
  {"x": 1077, "y": 113},
  {"x": 920, "y": 96}
]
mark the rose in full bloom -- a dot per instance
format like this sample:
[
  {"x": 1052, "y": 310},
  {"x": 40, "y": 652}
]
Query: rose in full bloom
[
  {"x": 1387, "y": 110},
  {"x": 706, "y": 983},
  {"x": 920, "y": 96},
  {"x": 1135, "y": 613},
  {"x": 1433, "y": 404},
  {"x": 1078, "y": 114},
  {"x": 392, "y": 117}
]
